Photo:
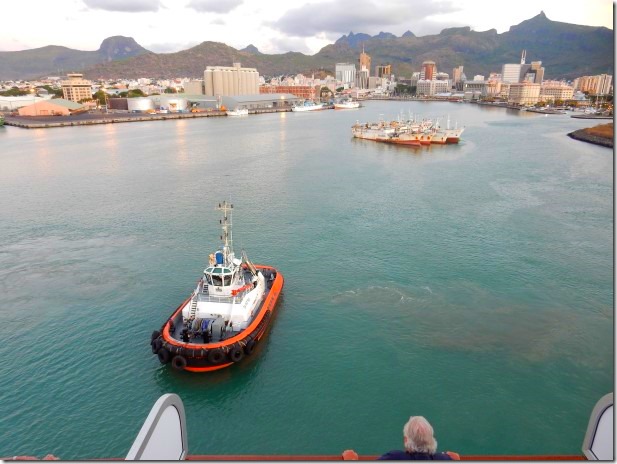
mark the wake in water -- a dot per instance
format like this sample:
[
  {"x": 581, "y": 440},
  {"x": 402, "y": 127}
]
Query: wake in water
[{"x": 379, "y": 296}]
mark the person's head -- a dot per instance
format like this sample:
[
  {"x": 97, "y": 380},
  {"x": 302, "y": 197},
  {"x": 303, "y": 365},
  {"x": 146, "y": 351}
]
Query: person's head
[{"x": 418, "y": 436}]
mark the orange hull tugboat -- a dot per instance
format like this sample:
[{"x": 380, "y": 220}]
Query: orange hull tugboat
[{"x": 226, "y": 315}]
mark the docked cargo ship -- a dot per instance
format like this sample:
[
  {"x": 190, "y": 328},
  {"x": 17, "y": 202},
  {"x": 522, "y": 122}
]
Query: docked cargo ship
[
  {"x": 226, "y": 315},
  {"x": 412, "y": 132}
]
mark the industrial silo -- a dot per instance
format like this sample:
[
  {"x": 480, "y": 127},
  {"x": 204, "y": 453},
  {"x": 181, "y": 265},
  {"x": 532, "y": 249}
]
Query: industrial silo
[
  {"x": 218, "y": 81},
  {"x": 244, "y": 88},
  {"x": 227, "y": 84},
  {"x": 208, "y": 82}
]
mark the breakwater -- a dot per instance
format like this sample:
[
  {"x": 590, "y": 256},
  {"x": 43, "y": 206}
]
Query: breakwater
[
  {"x": 590, "y": 116},
  {"x": 585, "y": 136}
]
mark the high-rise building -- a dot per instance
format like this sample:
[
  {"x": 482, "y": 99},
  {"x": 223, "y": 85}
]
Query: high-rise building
[
  {"x": 536, "y": 67},
  {"x": 594, "y": 85},
  {"x": 511, "y": 73},
  {"x": 345, "y": 73},
  {"x": 429, "y": 70},
  {"x": 520, "y": 72},
  {"x": 76, "y": 88},
  {"x": 362, "y": 78},
  {"x": 383, "y": 70},
  {"x": 365, "y": 62},
  {"x": 229, "y": 81},
  {"x": 457, "y": 74}
]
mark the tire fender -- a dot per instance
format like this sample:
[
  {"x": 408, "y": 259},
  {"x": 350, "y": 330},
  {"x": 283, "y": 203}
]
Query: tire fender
[
  {"x": 163, "y": 355},
  {"x": 216, "y": 355},
  {"x": 179, "y": 362}
]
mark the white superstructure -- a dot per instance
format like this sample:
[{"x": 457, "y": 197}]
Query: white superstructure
[
  {"x": 230, "y": 289},
  {"x": 346, "y": 105},
  {"x": 308, "y": 105}
]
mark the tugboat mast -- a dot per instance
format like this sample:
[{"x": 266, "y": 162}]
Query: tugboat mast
[{"x": 226, "y": 224}]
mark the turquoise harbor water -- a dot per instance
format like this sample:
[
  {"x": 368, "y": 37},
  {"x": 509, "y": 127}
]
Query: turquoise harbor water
[{"x": 471, "y": 284}]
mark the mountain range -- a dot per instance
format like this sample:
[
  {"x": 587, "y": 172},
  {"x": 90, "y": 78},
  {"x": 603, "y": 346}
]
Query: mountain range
[
  {"x": 54, "y": 60},
  {"x": 566, "y": 51}
]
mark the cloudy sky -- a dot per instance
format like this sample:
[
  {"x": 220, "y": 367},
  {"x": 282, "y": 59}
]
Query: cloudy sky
[{"x": 273, "y": 26}]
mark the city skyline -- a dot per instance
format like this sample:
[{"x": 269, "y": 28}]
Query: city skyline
[{"x": 163, "y": 26}]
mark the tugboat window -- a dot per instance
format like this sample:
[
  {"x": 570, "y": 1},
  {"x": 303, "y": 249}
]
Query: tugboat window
[
  {"x": 216, "y": 280},
  {"x": 227, "y": 280}
]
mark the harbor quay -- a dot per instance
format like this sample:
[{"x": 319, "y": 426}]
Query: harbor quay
[{"x": 87, "y": 119}]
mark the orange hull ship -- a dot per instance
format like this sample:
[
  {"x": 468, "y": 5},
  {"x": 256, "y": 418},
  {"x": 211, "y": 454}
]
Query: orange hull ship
[{"x": 227, "y": 314}]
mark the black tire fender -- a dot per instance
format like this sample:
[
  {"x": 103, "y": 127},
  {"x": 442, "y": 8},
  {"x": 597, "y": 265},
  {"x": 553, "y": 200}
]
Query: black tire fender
[
  {"x": 236, "y": 354},
  {"x": 179, "y": 362},
  {"x": 250, "y": 346},
  {"x": 156, "y": 345},
  {"x": 216, "y": 355},
  {"x": 163, "y": 355},
  {"x": 156, "y": 334}
]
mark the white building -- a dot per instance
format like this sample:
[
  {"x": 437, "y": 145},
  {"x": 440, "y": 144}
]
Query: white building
[
  {"x": 479, "y": 88},
  {"x": 345, "y": 73},
  {"x": 511, "y": 73},
  {"x": 555, "y": 90},
  {"x": 431, "y": 87}
]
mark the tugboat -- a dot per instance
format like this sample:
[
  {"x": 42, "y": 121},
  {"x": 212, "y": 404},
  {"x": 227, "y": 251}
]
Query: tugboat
[{"x": 226, "y": 315}]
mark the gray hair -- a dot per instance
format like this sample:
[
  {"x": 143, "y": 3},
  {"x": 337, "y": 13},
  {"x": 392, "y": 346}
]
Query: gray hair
[{"x": 419, "y": 436}]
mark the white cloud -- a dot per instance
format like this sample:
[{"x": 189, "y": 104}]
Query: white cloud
[
  {"x": 369, "y": 16},
  {"x": 126, "y": 6},
  {"x": 214, "y": 6}
]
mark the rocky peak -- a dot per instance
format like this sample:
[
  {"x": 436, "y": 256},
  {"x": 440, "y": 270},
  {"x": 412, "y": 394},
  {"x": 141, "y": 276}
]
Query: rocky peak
[{"x": 120, "y": 47}]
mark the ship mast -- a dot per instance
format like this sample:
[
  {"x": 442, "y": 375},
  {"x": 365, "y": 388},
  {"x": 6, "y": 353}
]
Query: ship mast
[{"x": 226, "y": 224}]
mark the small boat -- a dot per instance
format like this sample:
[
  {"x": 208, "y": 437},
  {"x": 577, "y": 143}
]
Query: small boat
[
  {"x": 308, "y": 105},
  {"x": 346, "y": 105},
  {"x": 237, "y": 112},
  {"x": 226, "y": 315}
]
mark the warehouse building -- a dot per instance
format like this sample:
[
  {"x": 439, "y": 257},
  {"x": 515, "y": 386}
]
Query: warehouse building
[{"x": 54, "y": 107}]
